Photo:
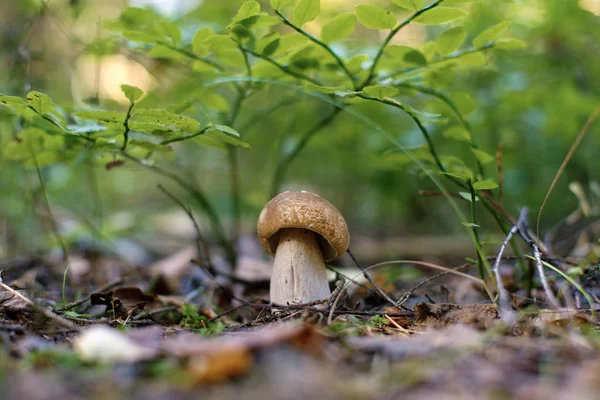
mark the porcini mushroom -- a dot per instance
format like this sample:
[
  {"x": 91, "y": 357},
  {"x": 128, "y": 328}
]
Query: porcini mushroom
[{"x": 303, "y": 231}]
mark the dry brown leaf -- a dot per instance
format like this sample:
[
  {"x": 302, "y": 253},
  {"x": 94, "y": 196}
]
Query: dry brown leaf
[
  {"x": 439, "y": 315},
  {"x": 220, "y": 367}
]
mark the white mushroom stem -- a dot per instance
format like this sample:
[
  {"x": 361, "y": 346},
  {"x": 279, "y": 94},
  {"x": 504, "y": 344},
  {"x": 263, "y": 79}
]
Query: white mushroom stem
[{"x": 299, "y": 274}]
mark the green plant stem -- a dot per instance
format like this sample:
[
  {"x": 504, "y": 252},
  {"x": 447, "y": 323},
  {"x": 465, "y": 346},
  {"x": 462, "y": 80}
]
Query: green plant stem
[
  {"x": 390, "y": 36},
  {"x": 192, "y": 55},
  {"x": 454, "y": 56},
  {"x": 328, "y": 49},
  {"x": 448, "y": 101},
  {"x": 234, "y": 175},
  {"x": 282, "y": 67},
  {"x": 202, "y": 201},
  {"x": 126, "y": 125},
  {"x": 54, "y": 227},
  {"x": 186, "y": 137},
  {"x": 476, "y": 231},
  {"x": 285, "y": 161}
]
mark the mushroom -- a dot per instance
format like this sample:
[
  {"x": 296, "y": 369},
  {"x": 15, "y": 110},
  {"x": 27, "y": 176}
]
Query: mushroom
[{"x": 303, "y": 231}]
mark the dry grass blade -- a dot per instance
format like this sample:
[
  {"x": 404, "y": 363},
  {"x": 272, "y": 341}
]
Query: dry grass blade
[{"x": 592, "y": 118}]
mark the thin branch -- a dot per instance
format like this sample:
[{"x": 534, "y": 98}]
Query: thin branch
[
  {"x": 390, "y": 36},
  {"x": 453, "y": 56},
  {"x": 282, "y": 67},
  {"x": 285, "y": 161},
  {"x": 310, "y": 37},
  {"x": 126, "y": 126},
  {"x": 404, "y": 298},
  {"x": 592, "y": 118},
  {"x": 45, "y": 312},
  {"x": 186, "y": 137},
  {"x": 372, "y": 282},
  {"x": 191, "y": 55},
  {"x": 201, "y": 245},
  {"x": 202, "y": 201}
]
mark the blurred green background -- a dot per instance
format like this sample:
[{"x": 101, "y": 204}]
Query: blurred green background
[{"x": 533, "y": 101}]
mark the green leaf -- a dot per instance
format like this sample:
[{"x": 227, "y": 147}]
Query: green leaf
[
  {"x": 323, "y": 89},
  {"x": 40, "y": 102},
  {"x": 161, "y": 51},
  {"x": 227, "y": 135},
  {"x": 213, "y": 100},
  {"x": 467, "y": 196},
  {"x": 457, "y": 133},
  {"x": 409, "y": 4},
  {"x": 464, "y": 102},
  {"x": 406, "y": 54},
  {"x": 374, "y": 17},
  {"x": 161, "y": 121},
  {"x": 277, "y": 4},
  {"x": 510, "y": 44},
  {"x": 268, "y": 44},
  {"x": 11, "y": 101},
  {"x": 132, "y": 93},
  {"x": 198, "y": 41},
  {"x": 380, "y": 91},
  {"x": 440, "y": 15},
  {"x": 247, "y": 10},
  {"x": 338, "y": 28},
  {"x": 110, "y": 119},
  {"x": 419, "y": 113},
  {"x": 151, "y": 146},
  {"x": 490, "y": 34},
  {"x": 482, "y": 156},
  {"x": 260, "y": 21},
  {"x": 487, "y": 184},
  {"x": 306, "y": 11},
  {"x": 455, "y": 2},
  {"x": 470, "y": 224},
  {"x": 170, "y": 30},
  {"x": 218, "y": 43},
  {"x": 449, "y": 41}
]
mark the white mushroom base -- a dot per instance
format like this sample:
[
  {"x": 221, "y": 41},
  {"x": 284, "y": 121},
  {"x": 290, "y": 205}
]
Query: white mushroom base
[{"x": 299, "y": 274}]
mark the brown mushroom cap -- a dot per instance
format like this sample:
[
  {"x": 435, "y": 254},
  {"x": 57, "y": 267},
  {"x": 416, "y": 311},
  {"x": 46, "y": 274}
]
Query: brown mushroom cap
[{"x": 304, "y": 210}]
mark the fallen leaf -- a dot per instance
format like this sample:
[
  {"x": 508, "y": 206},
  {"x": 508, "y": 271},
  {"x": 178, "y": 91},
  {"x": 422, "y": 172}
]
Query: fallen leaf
[{"x": 106, "y": 345}]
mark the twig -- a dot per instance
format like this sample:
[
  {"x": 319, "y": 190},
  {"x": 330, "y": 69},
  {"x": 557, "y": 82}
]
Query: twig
[
  {"x": 285, "y": 69},
  {"x": 372, "y": 282},
  {"x": 404, "y": 298},
  {"x": 150, "y": 313},
  {"x": 45, "y": 312},
  {"x": 310, "y": 37},
  {"x": 391, "y": 35},
  {"x": 79, "y": 302},
  {"x": 552, "y": 300},
  {"x": 201, "y": 245},
  {"x": 506, "y": 312},
  {"x": 592, "y": 118}
]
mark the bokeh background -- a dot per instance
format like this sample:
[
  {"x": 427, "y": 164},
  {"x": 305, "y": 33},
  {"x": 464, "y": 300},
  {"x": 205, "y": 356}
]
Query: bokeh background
[{"x": 533, "y": 100}]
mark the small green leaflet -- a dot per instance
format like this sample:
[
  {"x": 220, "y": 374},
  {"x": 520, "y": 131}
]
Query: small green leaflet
[
  {"x": 374, "y": 17},
  {"x": 157, "y": 121},
  {"x": 440, "y": 15},
  {"x": 467, "y": 196},
  {"x": 406, "y": 54},
  {"x": 487, "y": 184},
  {"x": 132, "y": 93},
  {"x": 170, "y": 30},
  {"x": 227, "y": 135},
  {"x": 510, "y": 44},
  {"x": 449, "y": 41},
  {"x": 338, "y": 28},
  {"x": 490, "y": 34},
  {"x": 217, "y": 43},
  {"x": 40, "y": 102},
  {"x": 11, "y": 101},
  {"x": 457, "y": 133},
  {"x": 380, "y": 91},
  {"x": 197, "y": 42},
  {"x": 277, "y": 4},
  {"x": 419, "y": 113},
  {"x": 409, "y": 4},
  {"x": 110, "y": 119},
  {"x": 482, "y": 156},
  {"x": 149, "y": 145},
  {"x": 464, "y": 102},
  {"x": 247, "y": 10},
  {"x": 268, "y": 44},
  {"x": 470, "y": 225},
  {"x": 306, "y": 11}
]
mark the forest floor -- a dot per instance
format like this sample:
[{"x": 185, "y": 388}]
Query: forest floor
[{"x": 172, "y": 330}]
